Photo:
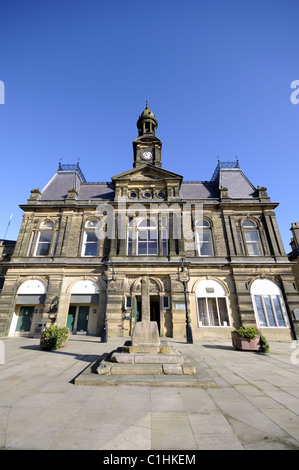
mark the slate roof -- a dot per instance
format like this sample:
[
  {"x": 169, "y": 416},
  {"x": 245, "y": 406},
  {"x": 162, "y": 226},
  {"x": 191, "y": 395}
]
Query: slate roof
[{"x": 228, "y": 176}]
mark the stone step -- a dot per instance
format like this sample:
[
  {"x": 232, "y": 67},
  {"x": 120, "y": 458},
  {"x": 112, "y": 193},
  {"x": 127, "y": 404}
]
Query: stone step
[{"x": 149, "y": 358}]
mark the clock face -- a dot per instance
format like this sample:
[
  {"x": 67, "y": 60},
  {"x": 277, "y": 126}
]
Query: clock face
[{"x": 146, "y": 155}]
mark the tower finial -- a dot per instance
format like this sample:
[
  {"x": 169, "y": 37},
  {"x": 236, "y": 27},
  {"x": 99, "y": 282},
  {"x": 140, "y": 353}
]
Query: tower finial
[{"x": 146, "y": 104}]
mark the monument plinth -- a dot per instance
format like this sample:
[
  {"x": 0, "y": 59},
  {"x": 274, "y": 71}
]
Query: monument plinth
[{"x": 146, "y": 355}]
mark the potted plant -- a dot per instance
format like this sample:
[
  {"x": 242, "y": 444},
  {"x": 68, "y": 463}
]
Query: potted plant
[
  {"x": 54, "y": 337},
  {"x": 249, "y": 339}
]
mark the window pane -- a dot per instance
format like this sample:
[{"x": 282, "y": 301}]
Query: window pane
[
  {"x": 152, "y": 248},
  {"x": 130, "y": 248},
  {"x": 130, "y": 242},
  {"x": 205, "y": 245},
  {"x": 164, "y": 221},
  {"x": 91, "y": 237},
  {"x": 260, "y": 310},
  {"x": 91, "y": 243},
  {"x": 251, "y": 235},
  {"x": 44, "y": 243},
  {"x": 45, "y": 237},
  {"x": 213, "y": 316},
  {"x": 152, "y": 235},
  {"x": 253, "y": 249},
  {"x": 164, "y": 247},
  {"x": 202, "y": 311},
  {"x": 202, "y": 223},
  {"x": 223, "y": 314},
  {"x": 142, "y": 248},
  {"x": 248, "y": 223},
  {"x": 164, "y": 242},
  {"x": 49, "y": 224},
  {"x": 91, "y": 249},
  {"x": 206, "y": 249},
  {"x": 278, "y": 311},
  {"x": 43, "y": 249},
  {"x": 269, "y": 310},
  {"x": 142, "y": 234}
]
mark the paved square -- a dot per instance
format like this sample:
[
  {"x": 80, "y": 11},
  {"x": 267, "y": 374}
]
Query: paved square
[{"x": 252, "y": 403}]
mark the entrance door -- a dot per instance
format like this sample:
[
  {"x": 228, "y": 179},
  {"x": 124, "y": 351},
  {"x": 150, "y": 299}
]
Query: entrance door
[
  {"x": 137, "y": 313},
  {"x": 155, "y": 309},
  {"x": 71, "y": 317},
  {"x": 25, "y": 319},
  {"x": 82, "y": 318}
]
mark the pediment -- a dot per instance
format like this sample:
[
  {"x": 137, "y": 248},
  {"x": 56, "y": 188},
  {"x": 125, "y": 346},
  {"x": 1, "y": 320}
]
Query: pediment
[{"x": 147, "y": 173}]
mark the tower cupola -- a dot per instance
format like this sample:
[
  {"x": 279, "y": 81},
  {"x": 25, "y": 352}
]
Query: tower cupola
[{"x": 147, "y": 122}]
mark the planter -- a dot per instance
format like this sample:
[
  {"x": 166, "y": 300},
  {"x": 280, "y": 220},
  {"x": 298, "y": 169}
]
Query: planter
[
  {"x": 43, "y": 345},
  {"x": 245, "y": 344},
  {"x": 54, "y": 338}
]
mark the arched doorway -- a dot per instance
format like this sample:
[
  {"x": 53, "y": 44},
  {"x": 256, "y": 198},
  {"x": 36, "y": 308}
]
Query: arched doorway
[
  {"x": 29, "y": 306},
  {"x": 83, "y": 309}
]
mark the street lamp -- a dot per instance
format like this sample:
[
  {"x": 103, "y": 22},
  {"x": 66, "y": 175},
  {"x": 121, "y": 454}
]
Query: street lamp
[
  {"x": 183, "y": 276},
  {"x": 108, "y": 275}
]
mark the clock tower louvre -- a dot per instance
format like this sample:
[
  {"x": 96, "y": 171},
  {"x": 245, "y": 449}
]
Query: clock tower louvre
[{"x": 147, "y": 147}]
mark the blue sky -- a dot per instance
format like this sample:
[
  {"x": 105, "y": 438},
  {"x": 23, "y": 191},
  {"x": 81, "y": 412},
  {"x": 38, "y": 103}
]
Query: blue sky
[{"x": 217, "y": 74}]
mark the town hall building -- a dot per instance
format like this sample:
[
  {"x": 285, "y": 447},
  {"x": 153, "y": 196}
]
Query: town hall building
[{"x": 211, "y": 251}]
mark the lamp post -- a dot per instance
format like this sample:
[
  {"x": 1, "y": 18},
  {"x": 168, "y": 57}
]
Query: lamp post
[
  {"x": 183, "y": 276},
  {"x": 108, "y": 275}
]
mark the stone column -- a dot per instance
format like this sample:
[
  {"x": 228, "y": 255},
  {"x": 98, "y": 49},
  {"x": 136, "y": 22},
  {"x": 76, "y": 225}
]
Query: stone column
[
  {"x": 7, "y": 304},
  {"x": 145, "y": 302},
  {"x": 146, "y": 333}
]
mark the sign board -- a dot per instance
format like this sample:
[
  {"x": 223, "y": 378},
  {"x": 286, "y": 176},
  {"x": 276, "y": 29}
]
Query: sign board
[{"x": 180, "y": 306}]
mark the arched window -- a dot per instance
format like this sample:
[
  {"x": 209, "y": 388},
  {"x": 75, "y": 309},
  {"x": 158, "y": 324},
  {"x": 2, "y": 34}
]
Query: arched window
[
  {"x": 204, "y": 238},
  {"x": 251, "y": 239},
  {"x": 147, "y": 237},
  {"x": 212, "y": 304},
  {"x": 268, "y": 304},
  {"x": 90, "y": 239},
  {"x": 46, "y": 240}
]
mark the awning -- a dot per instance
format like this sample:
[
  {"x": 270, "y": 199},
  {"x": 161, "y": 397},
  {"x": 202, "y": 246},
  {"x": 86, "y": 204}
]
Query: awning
[
  {"x": 31, "y": 299},
  {"x": 84, "y": 298}
]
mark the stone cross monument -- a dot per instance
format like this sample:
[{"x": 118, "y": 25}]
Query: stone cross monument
[{"x": 146, "y": 333}]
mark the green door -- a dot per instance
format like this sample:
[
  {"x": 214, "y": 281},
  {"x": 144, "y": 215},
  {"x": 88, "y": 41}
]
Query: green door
[
  {"x": 71, "y": 317},
  {"x": 83, "y": 318},
  {"x": 25, "y": 319}
]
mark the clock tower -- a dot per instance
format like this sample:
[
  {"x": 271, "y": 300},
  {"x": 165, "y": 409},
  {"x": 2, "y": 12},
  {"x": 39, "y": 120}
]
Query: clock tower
[{"x": 147, "y": 147}]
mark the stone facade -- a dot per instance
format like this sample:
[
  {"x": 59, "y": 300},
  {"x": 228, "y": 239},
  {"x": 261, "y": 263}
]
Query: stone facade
[{"x": 84, "y": 248}]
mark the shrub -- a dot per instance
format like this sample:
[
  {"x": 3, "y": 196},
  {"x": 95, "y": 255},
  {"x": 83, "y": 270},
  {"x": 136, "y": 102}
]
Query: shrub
[{"x": 54, "y": 337}]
